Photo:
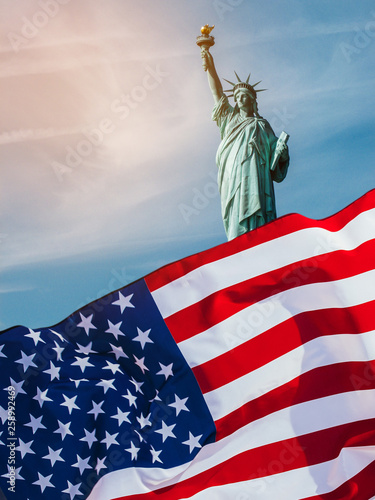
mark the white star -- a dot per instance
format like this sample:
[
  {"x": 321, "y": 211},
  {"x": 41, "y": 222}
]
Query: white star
[
  {"x": 141, "y": 364},
  {"x": 179, "y": 404},
  {"x": 106, "y": 384},
  {"x": 100, "y": 465},
  {"x": 109, "y": 439},
  {"x": 2, "y": 355},
  {"x": 113, "y": 367},
  {"x": 15, "y": 473},
  {"x": 53, "y": 371},
  {"x": 114, "y": 329},
  {"x": 156, "y": 397},
  {"x": 193, "y": 442},
  {"x": 89, "y": 437},
  {"x": 24, "y": 448},
  {"x": 35, "y": 336},
  {"x": 35, "y": 423},
  {"x": 142, "y": 337},
  {"x": 133, "y": 450},
  {"x": 141, "y": 439},
  {"x": 166, "y": 431},
  {"x": 70, "y": 403},
  {"x": 63, "y": 430},
  {"x": 3, "y": 414},
  {"x": 41, "y": 397},
  {"x": 78, "y": 381},
  {"x": 83, "y": 363},
  {"x": 96, "y": 409},
  {"x": 63, "y": 339},
  {"x": 138, "y": 385},
  {"x": 54, "y": 456},
  {"x": 18, "y": 475},
  {"x": 86, "y": 323},
  {"x": 82, "y": 464},
  {"x": 132, "y": 399},
  {"x": 1, "y": 441},
  {"x": 166, "y": 370},
  {"x": 118, "y": 352},
  {"x": 17, "y": 386},
  {"x": 123, "y": 302},
  {"x": 85, "y": 349},
  {"x": 72, "y": 490},
  {"x": 122, "y": 416},
  {"x": 44, "y": 481},
  {"x": 144, "y": 421},
  {"x": 26, "y": 361},
  {"x": 59, "y": 350},
  {"x": 155, "y": 455}
]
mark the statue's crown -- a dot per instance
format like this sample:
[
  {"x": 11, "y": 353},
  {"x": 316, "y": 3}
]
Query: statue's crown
[{"x": 243, "y": 85}]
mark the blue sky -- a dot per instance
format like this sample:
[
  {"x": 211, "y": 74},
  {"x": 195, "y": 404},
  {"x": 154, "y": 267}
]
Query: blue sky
[{"x": 107, "y": 145}]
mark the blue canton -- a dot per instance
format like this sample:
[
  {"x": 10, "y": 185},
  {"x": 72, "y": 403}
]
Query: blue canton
[{"x": 104, "y": 390}]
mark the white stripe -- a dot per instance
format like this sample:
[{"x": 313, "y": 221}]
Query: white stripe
[
  {"x": 266, "y": 314},
  {"x": 290, "y": 422},
  {"x": 297, "y": 483},
  {"x": 322, "y": 351},
  {"x": 283, "y": 251}
]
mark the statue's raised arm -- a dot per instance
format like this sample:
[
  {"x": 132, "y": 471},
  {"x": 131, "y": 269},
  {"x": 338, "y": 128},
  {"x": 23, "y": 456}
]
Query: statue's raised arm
[
  {"x": 213, "y": 78},
  {"x": 249, "y": 157},
  {"x": 205, "y": 41}
]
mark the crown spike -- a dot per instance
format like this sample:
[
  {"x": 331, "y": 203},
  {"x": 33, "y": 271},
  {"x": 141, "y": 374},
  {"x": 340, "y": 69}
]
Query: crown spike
[
  {"x": 243, "y": 85},
  {"x": 231, "y": 83}
]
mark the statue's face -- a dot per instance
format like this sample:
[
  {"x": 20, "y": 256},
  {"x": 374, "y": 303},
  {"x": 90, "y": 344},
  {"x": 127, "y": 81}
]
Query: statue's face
[{"x": 244, "y": 100}]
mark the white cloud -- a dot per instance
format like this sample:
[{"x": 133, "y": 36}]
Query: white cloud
[{"x": 13, "y": 288}]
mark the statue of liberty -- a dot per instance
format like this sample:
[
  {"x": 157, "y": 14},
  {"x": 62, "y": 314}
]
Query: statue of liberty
[{"x": 249, "y": 157}]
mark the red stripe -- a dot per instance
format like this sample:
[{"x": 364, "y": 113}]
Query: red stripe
[
  {"x": 279, "y": 227},
  {"x": 281, "y": 339},
  {"x": 271, "y": 459},
  {"x": 359, "y": 487},
  {"x": 217, "y": 307},
  {"x": 318, "y": 383}
]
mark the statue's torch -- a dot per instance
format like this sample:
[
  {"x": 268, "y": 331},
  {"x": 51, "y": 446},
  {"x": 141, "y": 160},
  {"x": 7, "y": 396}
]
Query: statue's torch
[{"x": 205, "y": 41}]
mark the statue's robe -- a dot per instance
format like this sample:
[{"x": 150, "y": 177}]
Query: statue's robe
[{"x": 245, "y": 178}]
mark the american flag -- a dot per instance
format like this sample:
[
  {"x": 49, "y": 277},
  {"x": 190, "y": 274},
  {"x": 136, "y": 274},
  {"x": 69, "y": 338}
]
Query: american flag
[{"x": 243, "y": 372}]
